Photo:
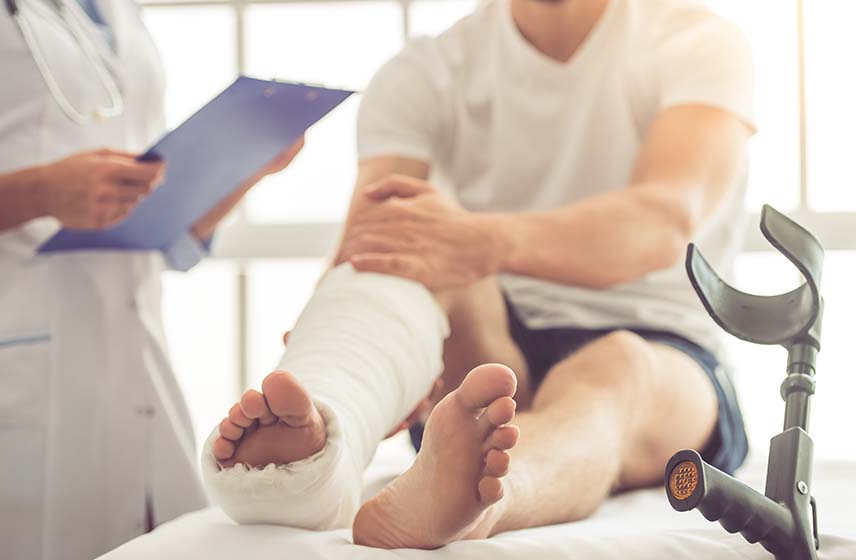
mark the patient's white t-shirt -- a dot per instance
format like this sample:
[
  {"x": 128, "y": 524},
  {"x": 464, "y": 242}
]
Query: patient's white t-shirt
[{"x": 505, "y": 128}]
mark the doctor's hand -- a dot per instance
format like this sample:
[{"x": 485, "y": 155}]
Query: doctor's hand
[
  {"x": 413, "y": 231},
  {"x": 204, "y": 228},
  {"x": 283, "y": 159},
  {"x": 95, "y": 190}
]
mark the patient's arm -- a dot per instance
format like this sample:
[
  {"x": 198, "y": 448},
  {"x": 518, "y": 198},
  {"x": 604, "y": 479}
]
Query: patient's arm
[
  {"x": 371, "y": 171},
  {"x": 689, "y": 161}
]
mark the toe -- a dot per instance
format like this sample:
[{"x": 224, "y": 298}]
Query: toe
[
  {"x": 237, "y": 416},
  {"x": 496, "y": 463},
  {"x": 504, "y": 437},
  {"x": 287, "y": 399},
  {"x": 253, "y": 405},
  {"x": 490, "y": 490},
  {"x": 222, "y": 448},
  {"x": 485, "y": 384},
  {"x": 500, "y": 411},
  {"x": 230, "y": 431}
]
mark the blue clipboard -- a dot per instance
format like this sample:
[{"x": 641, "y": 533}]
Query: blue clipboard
[{"x": 222, "y": 145}]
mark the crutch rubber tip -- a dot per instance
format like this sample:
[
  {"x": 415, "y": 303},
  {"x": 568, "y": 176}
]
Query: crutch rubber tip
[{"x": 684, "y": 480}]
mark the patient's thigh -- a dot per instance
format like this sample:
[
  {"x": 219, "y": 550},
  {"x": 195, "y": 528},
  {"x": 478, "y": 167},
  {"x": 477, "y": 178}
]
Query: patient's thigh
[{"x": 480, "y": 334}]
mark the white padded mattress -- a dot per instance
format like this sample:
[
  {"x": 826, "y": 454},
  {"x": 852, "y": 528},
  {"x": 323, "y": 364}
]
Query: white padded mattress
[{"x": 634, "y": 526}]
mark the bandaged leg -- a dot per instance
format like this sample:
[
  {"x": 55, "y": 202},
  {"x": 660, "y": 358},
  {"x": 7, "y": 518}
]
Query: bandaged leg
[{"x": 367, "y": 348}]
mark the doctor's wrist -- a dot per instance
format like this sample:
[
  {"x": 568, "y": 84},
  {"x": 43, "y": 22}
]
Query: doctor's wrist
[
  {"x": 43, "y": 189},
  {"x": 26, "y": 192},
  {"x": 39, "y": 190},
  {"x": 19, "y": 198}
]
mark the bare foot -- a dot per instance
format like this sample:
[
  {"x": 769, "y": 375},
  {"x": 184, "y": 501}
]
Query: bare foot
[
  {"x": 279, "y": 426},
  {"x": 449, "y": 490}
]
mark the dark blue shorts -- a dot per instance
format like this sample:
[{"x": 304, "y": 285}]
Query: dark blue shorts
[{"x": 544, "y": 348}]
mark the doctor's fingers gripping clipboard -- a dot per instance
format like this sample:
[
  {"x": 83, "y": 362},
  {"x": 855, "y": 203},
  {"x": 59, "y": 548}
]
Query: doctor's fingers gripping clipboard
[{"x": 212, "y": 153}]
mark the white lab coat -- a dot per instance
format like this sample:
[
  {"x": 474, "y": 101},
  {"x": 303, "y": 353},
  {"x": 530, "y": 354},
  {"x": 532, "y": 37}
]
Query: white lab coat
[{"x": 95, "y": 439}]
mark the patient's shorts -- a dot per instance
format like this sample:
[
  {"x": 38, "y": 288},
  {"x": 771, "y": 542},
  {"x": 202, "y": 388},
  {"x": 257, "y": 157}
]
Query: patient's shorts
[{"x": 544, "y": 348}]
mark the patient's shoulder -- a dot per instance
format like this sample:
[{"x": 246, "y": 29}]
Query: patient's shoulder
[
  {"x": 670, "y": 23},
  {"x": 408, "y": 107}
]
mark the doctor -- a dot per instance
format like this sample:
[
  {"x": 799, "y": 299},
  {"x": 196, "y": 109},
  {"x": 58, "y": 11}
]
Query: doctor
[{"x": 95, "y": 438}]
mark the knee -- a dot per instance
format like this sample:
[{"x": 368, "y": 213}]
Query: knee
[
  {"x": 627, "y": 362},
  {"x": 627, "y": 348},
  {"x": 620, "y": 364}
]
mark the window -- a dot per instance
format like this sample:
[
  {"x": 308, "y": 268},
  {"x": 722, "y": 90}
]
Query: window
[
  {"x": 830, "y": 91},
  {"x": 195, "y": 70},
  {"x": 318, "y": 42},
  {"x": 759, "y": 370},
  {"x": 774, "y": 174},
  {"x": 273, "y": 250}
]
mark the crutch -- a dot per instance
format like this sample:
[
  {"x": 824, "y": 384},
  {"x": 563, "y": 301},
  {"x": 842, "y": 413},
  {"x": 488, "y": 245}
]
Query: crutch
[{"x": 784, "y": 519}]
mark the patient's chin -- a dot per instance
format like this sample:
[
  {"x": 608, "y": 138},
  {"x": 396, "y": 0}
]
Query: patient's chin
[{"x": 278, "y": 426}]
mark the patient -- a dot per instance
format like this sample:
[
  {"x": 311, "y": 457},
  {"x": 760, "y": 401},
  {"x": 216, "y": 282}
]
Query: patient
[{"x": 528, "y": 183}]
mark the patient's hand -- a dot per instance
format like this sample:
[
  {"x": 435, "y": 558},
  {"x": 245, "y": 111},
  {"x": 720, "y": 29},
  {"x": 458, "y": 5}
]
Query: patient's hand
[{"x": 415, "y": 232}]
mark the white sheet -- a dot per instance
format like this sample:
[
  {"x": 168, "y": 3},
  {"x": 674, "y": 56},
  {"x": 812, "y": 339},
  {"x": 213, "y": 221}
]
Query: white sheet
[{"x": 634, "y": 526}]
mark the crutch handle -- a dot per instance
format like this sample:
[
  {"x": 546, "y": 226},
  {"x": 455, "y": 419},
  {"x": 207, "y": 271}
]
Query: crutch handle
[{"x": 693, "y": 484}]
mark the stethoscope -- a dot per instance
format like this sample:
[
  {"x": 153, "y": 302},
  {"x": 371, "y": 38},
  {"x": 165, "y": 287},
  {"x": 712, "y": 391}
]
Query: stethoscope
[{"x": 72, "y": 21}]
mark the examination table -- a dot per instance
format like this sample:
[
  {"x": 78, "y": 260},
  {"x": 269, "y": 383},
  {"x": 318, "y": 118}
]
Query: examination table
[{"x": 633, "y": 526}]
